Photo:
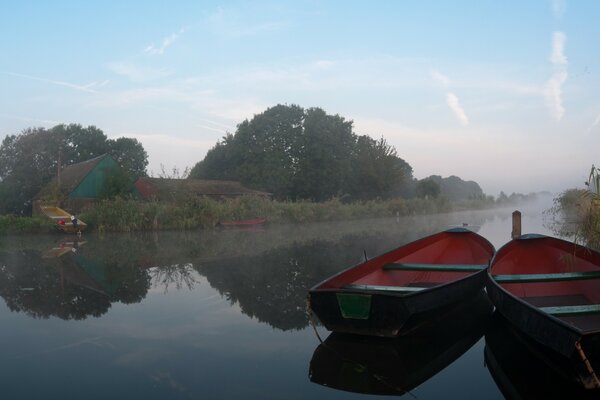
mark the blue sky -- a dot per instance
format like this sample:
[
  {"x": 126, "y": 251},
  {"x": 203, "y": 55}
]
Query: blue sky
[{"x": 505, "y": 93}]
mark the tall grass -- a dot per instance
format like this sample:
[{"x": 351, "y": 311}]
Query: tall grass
[
  {"x": 189, "y": 212},
  {"x": 579, "y": 212},
  {"x": 192, "y": 213},
  {"x": 14, "y": 224}
]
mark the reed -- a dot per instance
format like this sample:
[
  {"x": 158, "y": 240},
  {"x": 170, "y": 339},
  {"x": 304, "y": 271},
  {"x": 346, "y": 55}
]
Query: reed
[
  {"x": 186, "y": 212},
  {"x": 15, "y": 224}
]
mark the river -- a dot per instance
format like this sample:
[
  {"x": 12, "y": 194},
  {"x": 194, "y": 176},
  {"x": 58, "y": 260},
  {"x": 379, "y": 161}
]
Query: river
[{"x": 209, "y": 314}]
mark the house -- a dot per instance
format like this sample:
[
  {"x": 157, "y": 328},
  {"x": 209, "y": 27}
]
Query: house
[
  {"x": 78, "y": 185},
  {"x": 162, "y": 189}
]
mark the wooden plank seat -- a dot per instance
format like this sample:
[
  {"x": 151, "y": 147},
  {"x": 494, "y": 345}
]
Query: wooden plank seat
[
  {"x": 406, "y": 289},
  {"x": 572, "y": 310},
  {"x": 436, "y": 267},
  {"x": 528, "y": 278}
]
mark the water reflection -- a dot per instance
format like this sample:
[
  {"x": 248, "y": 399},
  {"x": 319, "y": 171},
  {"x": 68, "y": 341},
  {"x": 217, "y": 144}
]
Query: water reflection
[
  {"x": 523, "y": 370},
  {"x": 266, "y": 272},
  {"x": 395, "y": 366}
]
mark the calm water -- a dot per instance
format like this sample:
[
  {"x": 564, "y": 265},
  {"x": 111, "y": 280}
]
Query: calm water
[{"x": 216, "y": 315}]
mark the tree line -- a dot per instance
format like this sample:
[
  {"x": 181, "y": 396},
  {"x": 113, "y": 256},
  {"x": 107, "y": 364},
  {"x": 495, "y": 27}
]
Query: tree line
[{"x": 295, "y": 153}]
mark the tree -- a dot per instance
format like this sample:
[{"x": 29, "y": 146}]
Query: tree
[
  {"x": 377, "y": 169},
  {"x": 323, "y": 156},
  {"x": 428, "y": 188},
  {"x": 305, "y": 154},
  {"x": 130, "y": 155}
]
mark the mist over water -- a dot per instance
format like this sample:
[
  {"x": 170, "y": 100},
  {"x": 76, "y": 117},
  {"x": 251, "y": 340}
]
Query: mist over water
[{"x": 203, "y": 314}]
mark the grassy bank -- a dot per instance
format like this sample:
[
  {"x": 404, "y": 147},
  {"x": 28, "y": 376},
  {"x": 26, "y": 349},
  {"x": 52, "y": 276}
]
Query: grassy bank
[
  {"x": 129, "y": 215},
  {"x": 13, "y": 224},
  {"x": 577, "y": 215},
  {"x": 194, "y": 213}
]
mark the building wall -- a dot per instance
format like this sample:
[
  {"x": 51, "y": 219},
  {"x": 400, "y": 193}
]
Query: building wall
[{"x": 91, "y": 185}]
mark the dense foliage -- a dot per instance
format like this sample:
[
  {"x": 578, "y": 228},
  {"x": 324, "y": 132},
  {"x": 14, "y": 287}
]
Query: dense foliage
[
  {"x": 299, "y": 153},
  {"x": 455, "y": 189},
  {"x": 29, "y": 160}
]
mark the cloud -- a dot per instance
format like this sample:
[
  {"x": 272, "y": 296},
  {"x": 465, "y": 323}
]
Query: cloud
[
  {"x": 455, "y": 106},
  {"x": 166, "y": 42},
  {"x": 558, "y": 49},
  {"x": 553, "y": 90},
  {"x": 439, "y": 77},
  {"x": 553, "y": 94},
  {"x": 137, "y": 72},
  {"x": 84, "y": 88}
]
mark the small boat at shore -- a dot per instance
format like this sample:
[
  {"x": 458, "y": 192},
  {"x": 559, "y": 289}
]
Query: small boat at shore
[
  {"x": 549, "y": 289},
  {"x": 379, "y": 296},
  {"x": 244, "y": 222},
  {"x": 63, "y": 219}
]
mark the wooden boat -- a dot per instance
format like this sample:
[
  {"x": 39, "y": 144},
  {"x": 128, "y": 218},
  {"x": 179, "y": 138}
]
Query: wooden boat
[
  {"x": 379, "y": 296},
  {"x": 244, "y": 222},
  {"x": 384, "y": 366},
  {"x": 549, "y": 289},
  {"x": 63, "y": 219},
  {"x": 522, "y": 368}
]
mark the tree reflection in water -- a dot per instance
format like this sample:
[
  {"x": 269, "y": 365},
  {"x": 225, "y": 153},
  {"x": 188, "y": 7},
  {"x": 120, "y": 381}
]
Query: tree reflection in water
[
  {"x": 179, "y": 275},
  {"x": 267, "y": 272}
]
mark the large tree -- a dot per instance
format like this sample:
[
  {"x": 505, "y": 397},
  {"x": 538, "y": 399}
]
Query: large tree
[
  {"x": 29, "y": 160},
  {"x": 305, "y": 154}
]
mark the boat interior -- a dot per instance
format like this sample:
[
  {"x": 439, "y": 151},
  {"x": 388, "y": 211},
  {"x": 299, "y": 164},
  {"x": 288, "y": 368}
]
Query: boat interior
[
  {"x": 555, "y": 276},
  {"x": 418, "y": 266}
]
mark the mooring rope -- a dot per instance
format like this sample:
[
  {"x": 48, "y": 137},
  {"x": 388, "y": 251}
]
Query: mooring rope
[
  {"x": 587, "y": 364},
  {"x": 311, "y": 318}
]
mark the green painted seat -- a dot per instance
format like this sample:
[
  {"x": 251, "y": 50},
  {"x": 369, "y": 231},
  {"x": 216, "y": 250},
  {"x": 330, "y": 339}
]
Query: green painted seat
[
  {"x": 436, "y": 267},
  {"x": 528, "y": 278},
  {"x": 572, "y": 310},
  {"x": 407, "y": 289}
]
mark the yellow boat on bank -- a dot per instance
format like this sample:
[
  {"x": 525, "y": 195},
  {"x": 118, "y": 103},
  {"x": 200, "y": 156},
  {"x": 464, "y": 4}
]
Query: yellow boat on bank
[{"x": 63, "y": 219}]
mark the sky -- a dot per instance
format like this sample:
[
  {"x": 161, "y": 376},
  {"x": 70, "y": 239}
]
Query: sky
[{"x": 505, "y": 93}]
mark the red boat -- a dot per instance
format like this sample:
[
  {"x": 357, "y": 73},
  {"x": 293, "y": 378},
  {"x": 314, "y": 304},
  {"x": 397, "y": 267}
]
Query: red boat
[
  {"x": 549, "y": 289},
  {"x": 379, "y": 296},
  {"x": 244, "y": 222}
]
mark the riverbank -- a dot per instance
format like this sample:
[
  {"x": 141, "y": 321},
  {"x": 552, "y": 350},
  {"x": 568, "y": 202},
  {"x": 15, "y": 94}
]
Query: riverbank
[
  {"x": 195, "y": 213},
  {"x": 577, "y": 214}
]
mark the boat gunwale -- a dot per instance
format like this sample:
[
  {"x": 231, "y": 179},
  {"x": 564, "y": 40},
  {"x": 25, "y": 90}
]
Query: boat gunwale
[
  {"x": 398, "y": 293},
  {"x": 528, "y": 306},
  {"x": 316, "y": 289}
]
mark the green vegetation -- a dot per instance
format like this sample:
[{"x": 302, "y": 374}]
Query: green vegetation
[
  {"x": 14, "y": 224},
  {"x": 579, "y": 212},
  {"x": 29, "y": 160},
  {"x": 306, "y": 154},
  {"x": 193, "y": 213}
]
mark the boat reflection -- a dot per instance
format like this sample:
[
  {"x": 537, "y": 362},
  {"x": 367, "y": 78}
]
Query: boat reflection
[
  {"x": 385, "y": 366},
  {"x": 523, "y": 369}
]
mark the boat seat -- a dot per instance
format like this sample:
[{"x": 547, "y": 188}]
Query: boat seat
[
  {"x": 565, "y": 276},
  {"x": 405, "y": 289},
  {"x": 572, "y": 310},
  {"x": 436, "y": 267}
]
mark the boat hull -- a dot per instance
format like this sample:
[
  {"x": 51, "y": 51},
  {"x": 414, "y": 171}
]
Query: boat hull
[
  {"x": 577, "y": 349},
  {"x": 524, "y": 369},
  {"x": 390, "y": 313}
]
